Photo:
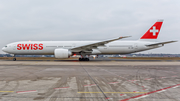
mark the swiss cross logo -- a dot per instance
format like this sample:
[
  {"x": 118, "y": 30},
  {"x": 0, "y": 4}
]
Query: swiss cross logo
[
  {"x": 154, "y": 30},
  {"x": 30, "y": 46}
]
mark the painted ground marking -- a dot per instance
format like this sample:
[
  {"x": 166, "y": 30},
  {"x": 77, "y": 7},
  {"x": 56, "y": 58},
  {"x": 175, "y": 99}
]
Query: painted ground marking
[
  {"x": 114, "y": 92},
  {"x": 61, "y": 88},
  {"x": 113, "y": 82},
  {"x": 144, "y": 95},
  {"x": 30, "y": 91},
  {"x": 7, "y": 91},
  {"x": 89, "y": 85}
]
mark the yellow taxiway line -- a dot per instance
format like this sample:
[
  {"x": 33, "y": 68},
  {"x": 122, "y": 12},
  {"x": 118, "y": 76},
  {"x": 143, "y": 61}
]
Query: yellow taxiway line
[
  {"x": 114, "y": 92},
  {"x": 7, "y": 91}
]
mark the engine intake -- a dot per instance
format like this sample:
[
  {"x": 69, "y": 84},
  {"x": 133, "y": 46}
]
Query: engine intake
[{"x": 62, "y": 53}]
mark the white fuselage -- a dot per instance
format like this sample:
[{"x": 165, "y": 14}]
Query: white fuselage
[{"x": 48, "y": 47}]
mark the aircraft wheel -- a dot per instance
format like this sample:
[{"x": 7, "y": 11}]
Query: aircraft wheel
[
  {"x": 83, "y": 59},
  {"x": 86, "y": 59},
  {"x": 80, "y": 59},
  {"x": 14, "y": 59}
]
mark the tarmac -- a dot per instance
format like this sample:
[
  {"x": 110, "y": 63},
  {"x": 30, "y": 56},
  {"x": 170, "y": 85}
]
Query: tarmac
[{"x": 103, "y": 80}]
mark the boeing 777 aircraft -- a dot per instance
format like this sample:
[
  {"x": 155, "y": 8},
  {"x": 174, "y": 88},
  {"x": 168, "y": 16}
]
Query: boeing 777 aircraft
[{"x": 65, "y": 49}]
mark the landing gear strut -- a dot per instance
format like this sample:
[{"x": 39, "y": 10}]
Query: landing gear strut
[
  {"x": 83, "y": 59},
  {"x": 14, "y": 59}
]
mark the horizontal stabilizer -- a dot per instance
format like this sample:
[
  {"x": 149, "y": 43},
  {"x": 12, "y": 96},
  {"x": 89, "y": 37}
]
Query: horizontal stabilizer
[{"x": 161, "y": 43}]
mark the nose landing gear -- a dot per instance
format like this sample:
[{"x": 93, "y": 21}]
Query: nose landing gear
[{"x": 14, "y": 59}]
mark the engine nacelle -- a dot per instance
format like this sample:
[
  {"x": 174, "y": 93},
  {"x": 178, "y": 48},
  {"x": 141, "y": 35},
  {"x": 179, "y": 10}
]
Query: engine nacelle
[{"x": 62, "y": 53}]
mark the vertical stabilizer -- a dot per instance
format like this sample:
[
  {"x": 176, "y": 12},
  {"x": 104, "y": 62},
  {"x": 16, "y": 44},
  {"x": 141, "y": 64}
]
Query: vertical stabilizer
[{"x": 153, "y": 32}]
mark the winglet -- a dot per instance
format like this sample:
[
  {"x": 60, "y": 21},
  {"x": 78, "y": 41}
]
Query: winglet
[{"x": 124, "y": 37}]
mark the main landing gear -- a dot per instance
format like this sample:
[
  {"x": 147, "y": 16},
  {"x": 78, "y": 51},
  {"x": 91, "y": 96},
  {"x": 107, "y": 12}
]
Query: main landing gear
[{"x": 83, "y": 59}]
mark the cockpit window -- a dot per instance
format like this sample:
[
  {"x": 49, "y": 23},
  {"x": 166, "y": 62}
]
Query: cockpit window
[{"x": 5, "y": 46}]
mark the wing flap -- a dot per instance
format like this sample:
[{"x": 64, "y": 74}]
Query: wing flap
[{"x": 161, "y": 43}]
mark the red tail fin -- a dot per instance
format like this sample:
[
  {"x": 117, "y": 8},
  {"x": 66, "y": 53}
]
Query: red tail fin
[{"x": 153, "y": 32}]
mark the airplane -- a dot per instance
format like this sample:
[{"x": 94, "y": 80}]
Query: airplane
[{"x": 65, "y": 49}]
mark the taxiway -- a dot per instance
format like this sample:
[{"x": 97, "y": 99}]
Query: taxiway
[{"x": 89, "y": 81}]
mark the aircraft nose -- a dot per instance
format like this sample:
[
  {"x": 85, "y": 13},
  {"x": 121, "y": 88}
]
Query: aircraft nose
[{"x": 3, "y": 49}]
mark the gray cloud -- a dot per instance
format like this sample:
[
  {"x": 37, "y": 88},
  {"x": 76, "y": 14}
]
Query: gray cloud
[{"x": 88, "y": 20}]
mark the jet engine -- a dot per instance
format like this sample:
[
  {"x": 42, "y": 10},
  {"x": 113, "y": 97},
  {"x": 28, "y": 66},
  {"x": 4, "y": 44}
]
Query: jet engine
[{"x": 62, "y": 53}]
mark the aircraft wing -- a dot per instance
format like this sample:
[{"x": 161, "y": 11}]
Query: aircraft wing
[
  {"x": 91, "y": 46},
  {"x": 161, "y": 43}
]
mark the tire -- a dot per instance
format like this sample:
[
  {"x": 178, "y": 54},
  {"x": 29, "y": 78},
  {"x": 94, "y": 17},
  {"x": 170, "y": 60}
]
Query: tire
[
  {"x": 83, "y": 59},
  {"x": 80, "y": 59},
  {"x": 87, "y": 59},
  {"x": 14, "y": 59}
]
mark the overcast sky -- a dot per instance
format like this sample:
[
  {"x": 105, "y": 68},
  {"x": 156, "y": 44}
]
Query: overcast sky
[{"x": 88, "y": 20}]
